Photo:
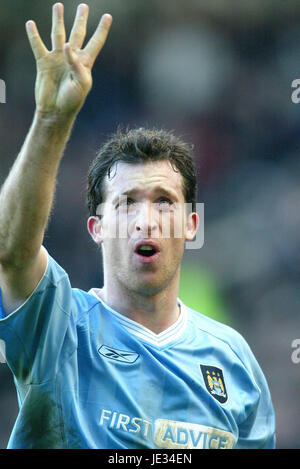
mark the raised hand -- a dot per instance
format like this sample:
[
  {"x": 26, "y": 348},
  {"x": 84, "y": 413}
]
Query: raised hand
[{"x": 64, "y": 74}]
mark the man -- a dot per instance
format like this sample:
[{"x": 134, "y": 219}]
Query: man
[{"x": 128, "y": 365}]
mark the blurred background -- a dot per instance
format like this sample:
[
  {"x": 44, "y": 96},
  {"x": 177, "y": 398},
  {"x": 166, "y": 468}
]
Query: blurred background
[{"x": 219, "y": 74}]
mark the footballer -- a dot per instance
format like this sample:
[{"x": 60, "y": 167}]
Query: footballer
[{"x": 126, "y": 366}]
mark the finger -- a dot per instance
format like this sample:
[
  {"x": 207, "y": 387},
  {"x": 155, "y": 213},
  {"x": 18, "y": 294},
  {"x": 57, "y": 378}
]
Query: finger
[
  {"x": 58, "y": 33},
  {"x": 38, "y": 47},
  {"x": 98, "y": 39},
  {"x": 78, "y": 31}
]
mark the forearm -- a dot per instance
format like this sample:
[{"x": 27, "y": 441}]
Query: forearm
[
  {"x": 27, "y": 195},
  {"x": 63, "y": 81}
]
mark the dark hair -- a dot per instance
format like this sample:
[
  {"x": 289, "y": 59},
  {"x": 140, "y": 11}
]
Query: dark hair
[{"x": 135, "y": 146}]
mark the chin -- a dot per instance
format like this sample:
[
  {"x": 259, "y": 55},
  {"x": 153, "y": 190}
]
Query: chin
[{"x": 150, "y": 288}]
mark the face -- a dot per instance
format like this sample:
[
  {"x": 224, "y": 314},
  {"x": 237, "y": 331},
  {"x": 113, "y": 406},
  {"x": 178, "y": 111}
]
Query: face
[{"x": 143, "y": 227}]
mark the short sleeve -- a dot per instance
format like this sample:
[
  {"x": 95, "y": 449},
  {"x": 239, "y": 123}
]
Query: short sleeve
[
  {"x": 41, "y": 332},
  {"x": 257, "y": 430}
]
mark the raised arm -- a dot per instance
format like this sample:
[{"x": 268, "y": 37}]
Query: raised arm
[{"x": 62, "y": 84}]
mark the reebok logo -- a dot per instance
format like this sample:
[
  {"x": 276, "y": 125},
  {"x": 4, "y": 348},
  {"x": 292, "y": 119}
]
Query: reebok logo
[{"x": 118, "y": 355}]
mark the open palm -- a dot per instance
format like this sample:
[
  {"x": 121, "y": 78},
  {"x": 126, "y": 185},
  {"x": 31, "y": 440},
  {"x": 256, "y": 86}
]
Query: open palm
[{"x": 64, "y": 73}]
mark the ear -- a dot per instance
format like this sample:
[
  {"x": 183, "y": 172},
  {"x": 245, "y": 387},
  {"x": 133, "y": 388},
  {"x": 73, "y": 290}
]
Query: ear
[
  {"x": 192, "y": 225},
  {"x": 95, "y": 229}
]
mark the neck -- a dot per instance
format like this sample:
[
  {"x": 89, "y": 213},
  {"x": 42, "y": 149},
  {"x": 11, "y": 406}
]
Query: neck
[{"x": 156, "y": 312}]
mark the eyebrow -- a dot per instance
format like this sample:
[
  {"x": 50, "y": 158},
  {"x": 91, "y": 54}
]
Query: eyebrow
[{"x": 157, "y": 190}]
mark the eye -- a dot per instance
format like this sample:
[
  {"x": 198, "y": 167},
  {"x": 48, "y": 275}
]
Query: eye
[
  {"x": 125, "y": 202},
  {"x": 163, "y": 200},
  {"x": 164, "y": 203},
  {"x": 129, "y": 201}
]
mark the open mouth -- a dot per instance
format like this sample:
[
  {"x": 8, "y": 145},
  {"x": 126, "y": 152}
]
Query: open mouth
[{"x": 146, "y": 251}]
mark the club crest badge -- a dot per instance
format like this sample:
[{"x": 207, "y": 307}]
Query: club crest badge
[{"x": 214, "y": 382}]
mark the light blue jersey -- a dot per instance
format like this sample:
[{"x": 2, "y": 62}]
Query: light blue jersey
[{"x": 87, "y": 377}]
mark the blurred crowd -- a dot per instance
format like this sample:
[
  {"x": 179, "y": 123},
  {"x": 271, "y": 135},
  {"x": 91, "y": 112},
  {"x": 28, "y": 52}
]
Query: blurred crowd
[{"x": 219, "y": 74}]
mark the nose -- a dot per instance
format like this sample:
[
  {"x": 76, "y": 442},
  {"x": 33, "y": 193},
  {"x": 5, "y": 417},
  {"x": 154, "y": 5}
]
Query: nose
[{"x": 145, "y": 223}]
